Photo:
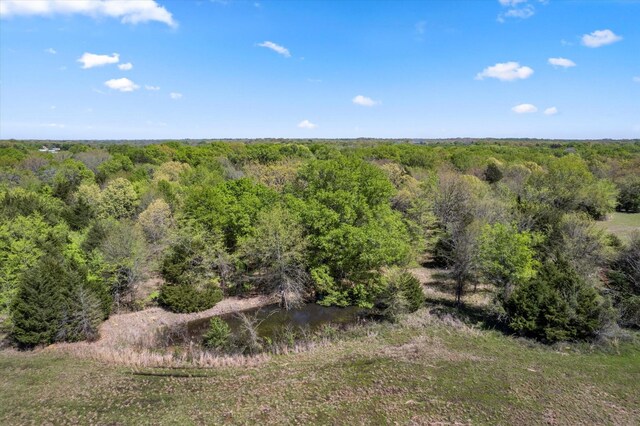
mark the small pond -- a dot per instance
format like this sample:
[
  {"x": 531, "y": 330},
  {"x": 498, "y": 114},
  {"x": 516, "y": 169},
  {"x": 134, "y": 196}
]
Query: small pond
[{"x": 310, "y": 316}]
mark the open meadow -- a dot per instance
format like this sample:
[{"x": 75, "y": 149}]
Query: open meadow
[{"x": 425, "y": 370}]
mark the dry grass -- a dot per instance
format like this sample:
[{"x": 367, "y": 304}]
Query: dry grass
[
  {"x": 139, "y": 339},
  {"x": 439, "y": 288},
  {"x": 425, "y": 318},
  {"x": 146, "y": 358},
  {"x": 136, "y": 339}
]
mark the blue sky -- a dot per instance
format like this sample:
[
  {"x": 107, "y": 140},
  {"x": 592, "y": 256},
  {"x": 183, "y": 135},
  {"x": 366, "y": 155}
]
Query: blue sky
[{"x": 316, "y": 69}]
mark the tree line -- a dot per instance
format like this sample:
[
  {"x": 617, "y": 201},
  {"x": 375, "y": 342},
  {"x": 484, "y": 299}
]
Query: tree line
[{"x": 334, "y": 223}]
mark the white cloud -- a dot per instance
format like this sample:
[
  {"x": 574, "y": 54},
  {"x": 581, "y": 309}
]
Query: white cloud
[
  {"x": 129, "y": 12},
  {"x": 600, "y": 38},
  {"x": 175, "y": 95},
  {"x": 51, "y": 50},
  {"x": 276, "y": 48},
  {"x": 90, "y": 60},
  {"x": 507, "y": 71},
  {"x": 153, "y": 88},
  {"x": 511, "y": 3},
  {"x": 524, "y": 109},
  {"x": 126, "y": 67},
  {"x": 421, "y": 27},
  {"x": 551, "y": 111},
  {"x": 636, "y": 79},
  {"x": 520, "y": 9},
  {"x": 306, "y": 124},
  {"x": 121, "y": 84},
  {"x": 562, "y": 62},
  {"x": 365, "y": 101},
  {"x": 523, "y": 13}
]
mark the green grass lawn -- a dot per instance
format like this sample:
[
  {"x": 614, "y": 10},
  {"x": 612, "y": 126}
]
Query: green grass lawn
[
  {"x": 622, "y": 224},
  {"x": 422, "y": 371}
]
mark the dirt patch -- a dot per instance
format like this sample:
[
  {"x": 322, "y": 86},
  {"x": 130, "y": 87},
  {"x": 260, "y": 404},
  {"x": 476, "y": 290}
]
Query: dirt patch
[{"x": 131, "y": 338}]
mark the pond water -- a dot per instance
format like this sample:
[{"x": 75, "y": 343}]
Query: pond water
[{"x": 272, "y": 319}]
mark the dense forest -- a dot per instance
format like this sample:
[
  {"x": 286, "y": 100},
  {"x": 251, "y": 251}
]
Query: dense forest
[{"x": 337, "y": 223}]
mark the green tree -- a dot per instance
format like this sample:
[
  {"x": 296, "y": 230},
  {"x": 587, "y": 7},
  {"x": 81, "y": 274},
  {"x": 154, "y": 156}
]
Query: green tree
[
  {"x": 117, "y": 163},
  {"x": 21, "y": 246},
  {"x": 493, "y": 173},
  {"x": 568, "y": 186},
  {"x": 507, "y": 256},
  {"x": 629, "y": 196},
  {"x": 556, "y": 305},
  {"x": 83, "y": 206},
  {"x": 21, "y": 202},
  {"x": 69, "y": 175},
  {"x": 192, "y": 270},
  {"x": 345, "y": 205},
  {"x": 36, "y": 310},
  {"x": 119, "y": 199},
  {"x": 230, "y": 208},
  {"x": 54, "y": 302}
]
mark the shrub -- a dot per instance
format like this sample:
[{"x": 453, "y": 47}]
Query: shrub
[
  {"x": 403, "y": 294},
  {"x": 185, "y": 298},
  {"x": 556, "y": 305},
  {"x": 218, "y": 334},
  {"x": 411, "y": 288}
]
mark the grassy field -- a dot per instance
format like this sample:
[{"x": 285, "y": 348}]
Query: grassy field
[
  {"x": 422, "y": 371},
  {"x": 622, "y": 224}
]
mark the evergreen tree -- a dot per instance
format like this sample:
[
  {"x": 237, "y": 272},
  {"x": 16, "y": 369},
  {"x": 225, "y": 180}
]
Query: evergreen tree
[
  {"x": 37, "y": 308},
  {"x": 56, "y": 302}
]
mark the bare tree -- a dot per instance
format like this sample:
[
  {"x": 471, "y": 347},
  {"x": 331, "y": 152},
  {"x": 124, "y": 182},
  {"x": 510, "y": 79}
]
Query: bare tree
[
  {"x": 276, "y": 251},
  {"x": 453, "y": 198},
  {"x": 582, "y": 244},
  {"x": 248, "y": 338},
  {"x": 463, "y": 255},
  {"x": 156, "y": 220},
  {"x": 92, "y": 159},
  {"x": 457, "y": 204},
  {"x": 123, "y": 251},
  {"x": 88, "y": 314}
]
